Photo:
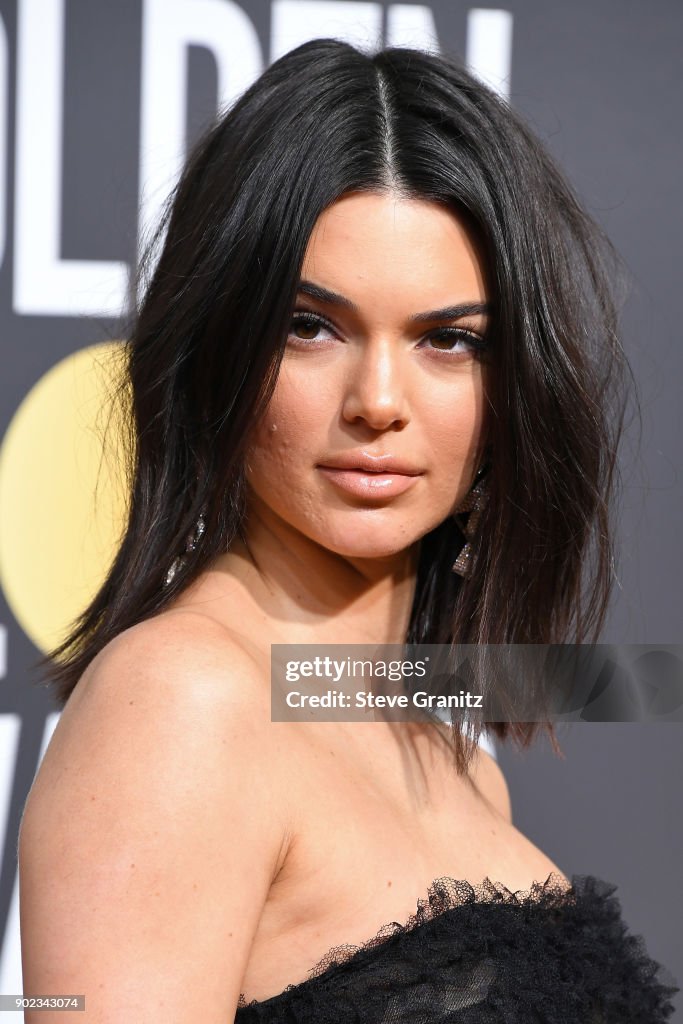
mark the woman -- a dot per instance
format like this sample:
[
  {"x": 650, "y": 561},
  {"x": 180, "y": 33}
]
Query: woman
[{"x": 375, "y": 385}]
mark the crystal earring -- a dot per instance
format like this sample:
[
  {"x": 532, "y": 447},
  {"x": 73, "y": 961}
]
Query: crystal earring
[
  {"x": 473, "y": 503},
  {"x": 193, "y": 539}
]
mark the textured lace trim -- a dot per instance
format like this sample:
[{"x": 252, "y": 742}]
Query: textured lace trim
[{"x": 443, "y": 895}]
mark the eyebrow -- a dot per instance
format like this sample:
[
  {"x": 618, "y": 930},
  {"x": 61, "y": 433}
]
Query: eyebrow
[{"x": 316, "y": 291}]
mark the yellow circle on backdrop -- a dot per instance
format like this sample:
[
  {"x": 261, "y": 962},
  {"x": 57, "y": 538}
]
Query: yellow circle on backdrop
[{"x": 63, "y": 493}]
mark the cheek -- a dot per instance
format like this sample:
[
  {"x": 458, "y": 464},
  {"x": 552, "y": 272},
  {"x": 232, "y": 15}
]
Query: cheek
[
  {"x": 285, "y": 436},
  {"x": 454, "y": 428}
]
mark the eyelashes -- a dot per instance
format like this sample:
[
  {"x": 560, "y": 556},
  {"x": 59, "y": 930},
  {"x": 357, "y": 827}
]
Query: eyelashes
[{"x": 475, "y": 342}]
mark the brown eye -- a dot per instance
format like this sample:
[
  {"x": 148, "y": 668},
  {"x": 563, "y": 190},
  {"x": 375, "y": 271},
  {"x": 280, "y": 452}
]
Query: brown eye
[
  {"x": 302, "y": 326},
  {"x": 451, "y": 336},
  {"x": 306, "y": 326}
]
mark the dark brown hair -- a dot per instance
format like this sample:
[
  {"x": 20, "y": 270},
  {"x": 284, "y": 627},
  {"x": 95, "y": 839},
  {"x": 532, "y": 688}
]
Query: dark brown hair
[{"x": 204, "y": 350}]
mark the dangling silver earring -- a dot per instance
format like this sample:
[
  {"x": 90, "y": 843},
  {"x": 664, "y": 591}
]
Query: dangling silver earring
[
  {"x": 474, "y": 503},
  {"x": 191, "y": 543}
]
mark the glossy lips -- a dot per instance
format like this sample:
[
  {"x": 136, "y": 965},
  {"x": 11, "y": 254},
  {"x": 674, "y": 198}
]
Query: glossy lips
[{"x": 370, "y": 476}]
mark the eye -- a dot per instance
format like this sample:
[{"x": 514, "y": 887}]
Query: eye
[
  {"x": 308, "y": 322},
  {"x": 455, "y": 335},
  {"x": 304, "y": 322}
]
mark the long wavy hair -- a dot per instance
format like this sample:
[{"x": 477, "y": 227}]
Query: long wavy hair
[{"x": 203, "y": 351}]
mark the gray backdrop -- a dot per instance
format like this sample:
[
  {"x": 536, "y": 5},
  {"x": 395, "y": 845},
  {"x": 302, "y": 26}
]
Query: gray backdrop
[{"x": 601, "y": 82}]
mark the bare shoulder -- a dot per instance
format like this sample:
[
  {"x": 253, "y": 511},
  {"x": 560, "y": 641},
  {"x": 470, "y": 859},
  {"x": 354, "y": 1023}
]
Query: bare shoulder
[
  {"x": 155, "y": 827},
  {"x": 181, "y": 651},
  {"x": 487, "y": 776},
  {"x": 179, "y": 670}
]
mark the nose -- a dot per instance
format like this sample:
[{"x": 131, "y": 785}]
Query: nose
[{"x": 376, "y": 387}]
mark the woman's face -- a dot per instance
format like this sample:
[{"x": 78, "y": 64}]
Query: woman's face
[{"x": 379, "y": 371}]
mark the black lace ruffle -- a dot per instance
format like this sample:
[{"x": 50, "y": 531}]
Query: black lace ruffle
[{"x": 481, "y": 954}]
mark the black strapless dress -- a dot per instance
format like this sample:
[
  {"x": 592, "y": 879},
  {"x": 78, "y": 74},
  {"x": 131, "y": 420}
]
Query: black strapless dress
[{"x": 485, "y": 955}]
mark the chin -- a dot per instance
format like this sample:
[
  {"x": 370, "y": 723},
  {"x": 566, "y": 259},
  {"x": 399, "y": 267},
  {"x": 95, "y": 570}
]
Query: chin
[
  {"x": 356, "y": 536},
  {"x": 370, "y": 553},
  {"x": 353, "y": 548}
]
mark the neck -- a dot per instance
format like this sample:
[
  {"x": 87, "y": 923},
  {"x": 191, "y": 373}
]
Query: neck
[{"x": 314, "y": 595}]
